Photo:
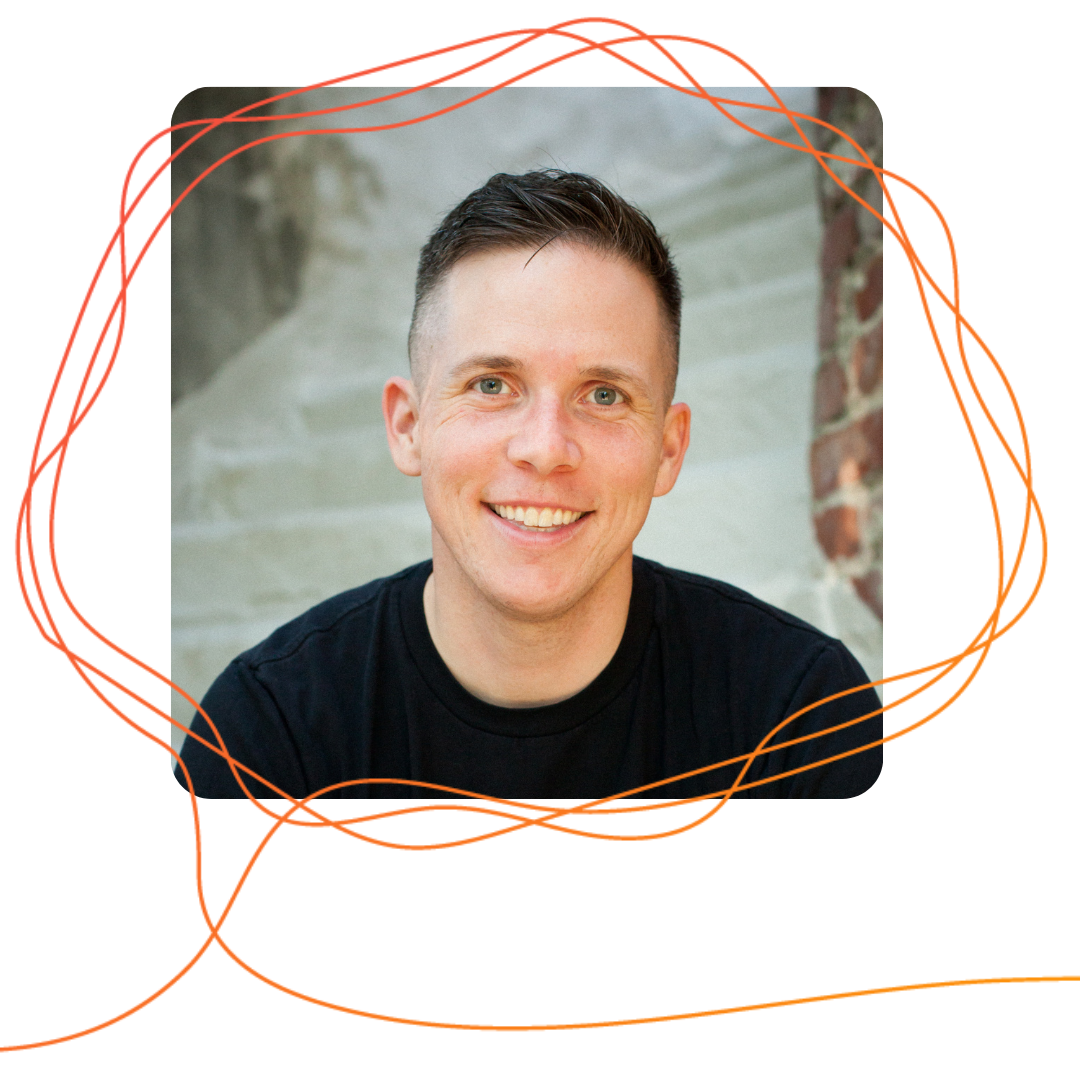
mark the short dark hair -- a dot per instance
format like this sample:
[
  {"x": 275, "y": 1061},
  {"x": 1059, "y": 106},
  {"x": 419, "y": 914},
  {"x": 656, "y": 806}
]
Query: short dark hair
[{"x": 536, "y": 208}]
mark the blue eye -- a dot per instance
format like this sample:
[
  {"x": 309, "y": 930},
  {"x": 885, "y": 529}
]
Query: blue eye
[
  {"x": 605, "y": 395},
  {"x": 490, "y": 386}
]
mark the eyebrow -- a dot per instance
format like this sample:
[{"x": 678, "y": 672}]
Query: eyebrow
[{"x": 483, "y": 363}]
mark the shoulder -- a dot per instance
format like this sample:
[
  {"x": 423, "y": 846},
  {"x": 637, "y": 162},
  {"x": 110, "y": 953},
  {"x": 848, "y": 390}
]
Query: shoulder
[
  {"x": 747, "y": 664},
  {"x": 724, "y": 636},
  {"x": 353, "y": 614},
  {"x": 706, "y": 601}
]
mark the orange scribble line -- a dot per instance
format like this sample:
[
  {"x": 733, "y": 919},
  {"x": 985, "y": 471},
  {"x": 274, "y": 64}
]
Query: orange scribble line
[{"x": 519, "y": 814}]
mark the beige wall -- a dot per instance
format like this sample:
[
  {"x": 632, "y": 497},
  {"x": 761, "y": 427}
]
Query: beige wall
[{"x": 283, "y": 489}]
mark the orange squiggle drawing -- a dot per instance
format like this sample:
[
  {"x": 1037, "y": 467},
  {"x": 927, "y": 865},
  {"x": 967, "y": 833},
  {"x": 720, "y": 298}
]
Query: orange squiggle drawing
[{"x": 513, "y": 815}]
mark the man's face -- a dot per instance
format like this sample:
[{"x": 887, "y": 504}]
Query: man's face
[{"x": 543, "y": 388}]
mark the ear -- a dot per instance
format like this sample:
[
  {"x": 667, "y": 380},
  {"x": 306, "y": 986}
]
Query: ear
[
  {"x": 401, "y": 411},
  {"x": 675, "y": 441}
]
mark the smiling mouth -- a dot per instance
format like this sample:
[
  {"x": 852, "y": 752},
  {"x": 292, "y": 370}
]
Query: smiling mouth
[{"x": 540, "y": 519}]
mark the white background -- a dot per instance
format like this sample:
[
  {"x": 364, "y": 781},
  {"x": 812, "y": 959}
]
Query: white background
[{"x": 961, "y": 861}]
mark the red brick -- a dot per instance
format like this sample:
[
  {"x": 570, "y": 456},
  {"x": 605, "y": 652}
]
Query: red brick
[
  {"x": 840, "y": 242},
  {"x": 830, "y": 390},
  {"x": 838, "y": 531},
  {"x": 872, "y": 432},
  {"x": 869, "y": 589},
  {"x": 869, "y": 298},
  {"x": 866, "y": 360},
  {"x": 840, "y": 458},
  {"x": 828, "y": 315}
]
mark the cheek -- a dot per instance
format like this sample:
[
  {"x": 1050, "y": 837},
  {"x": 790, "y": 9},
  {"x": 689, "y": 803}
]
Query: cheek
[
  {"x": 462, "y": 450},
  {"x": 626, "y": 460}
]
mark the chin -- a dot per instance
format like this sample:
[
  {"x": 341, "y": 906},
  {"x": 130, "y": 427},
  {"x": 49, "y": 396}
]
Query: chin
[{"x": 533, "y": 594}]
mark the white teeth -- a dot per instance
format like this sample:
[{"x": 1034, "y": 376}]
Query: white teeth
[{"x": 534, "y": 518}]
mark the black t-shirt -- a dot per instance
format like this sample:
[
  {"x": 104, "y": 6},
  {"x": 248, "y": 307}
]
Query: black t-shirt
[{"x": 355, "y": 688}]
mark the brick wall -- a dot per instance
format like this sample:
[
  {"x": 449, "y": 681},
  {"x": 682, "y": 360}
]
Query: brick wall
[{"x": 846, "y": 454}]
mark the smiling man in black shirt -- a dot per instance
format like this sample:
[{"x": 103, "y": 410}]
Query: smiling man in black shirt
[{"x": 535, "y": 656}]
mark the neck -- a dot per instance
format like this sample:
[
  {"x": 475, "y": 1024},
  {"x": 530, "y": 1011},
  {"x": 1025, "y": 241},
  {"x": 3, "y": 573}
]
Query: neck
[{"x": 514, "y": 661}]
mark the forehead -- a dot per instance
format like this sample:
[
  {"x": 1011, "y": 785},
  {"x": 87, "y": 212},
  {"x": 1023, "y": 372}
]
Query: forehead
[{"x": 563, "y": 302}]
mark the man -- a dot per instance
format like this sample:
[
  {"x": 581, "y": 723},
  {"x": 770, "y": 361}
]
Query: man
[{"x": 534, "y": 656}]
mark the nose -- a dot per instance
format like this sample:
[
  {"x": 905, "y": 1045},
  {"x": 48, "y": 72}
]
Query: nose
[{"x": 544, "y": 440}]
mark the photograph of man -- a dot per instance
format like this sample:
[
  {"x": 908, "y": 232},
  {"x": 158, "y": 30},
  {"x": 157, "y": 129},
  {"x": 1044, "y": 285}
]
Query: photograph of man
[{"x": 535, "y": 656}]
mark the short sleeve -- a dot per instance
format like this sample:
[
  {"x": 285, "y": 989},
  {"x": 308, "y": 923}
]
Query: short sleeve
[
  {"x": 832, "y": 671},
  {"x": 255, "y": 733}
]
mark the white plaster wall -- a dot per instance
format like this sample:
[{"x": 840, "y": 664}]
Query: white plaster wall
[{"x": 283, "y": 489}]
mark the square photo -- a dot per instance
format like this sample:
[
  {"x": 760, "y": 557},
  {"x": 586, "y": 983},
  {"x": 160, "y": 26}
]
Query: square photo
[{"x": 527, "y": 447}]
